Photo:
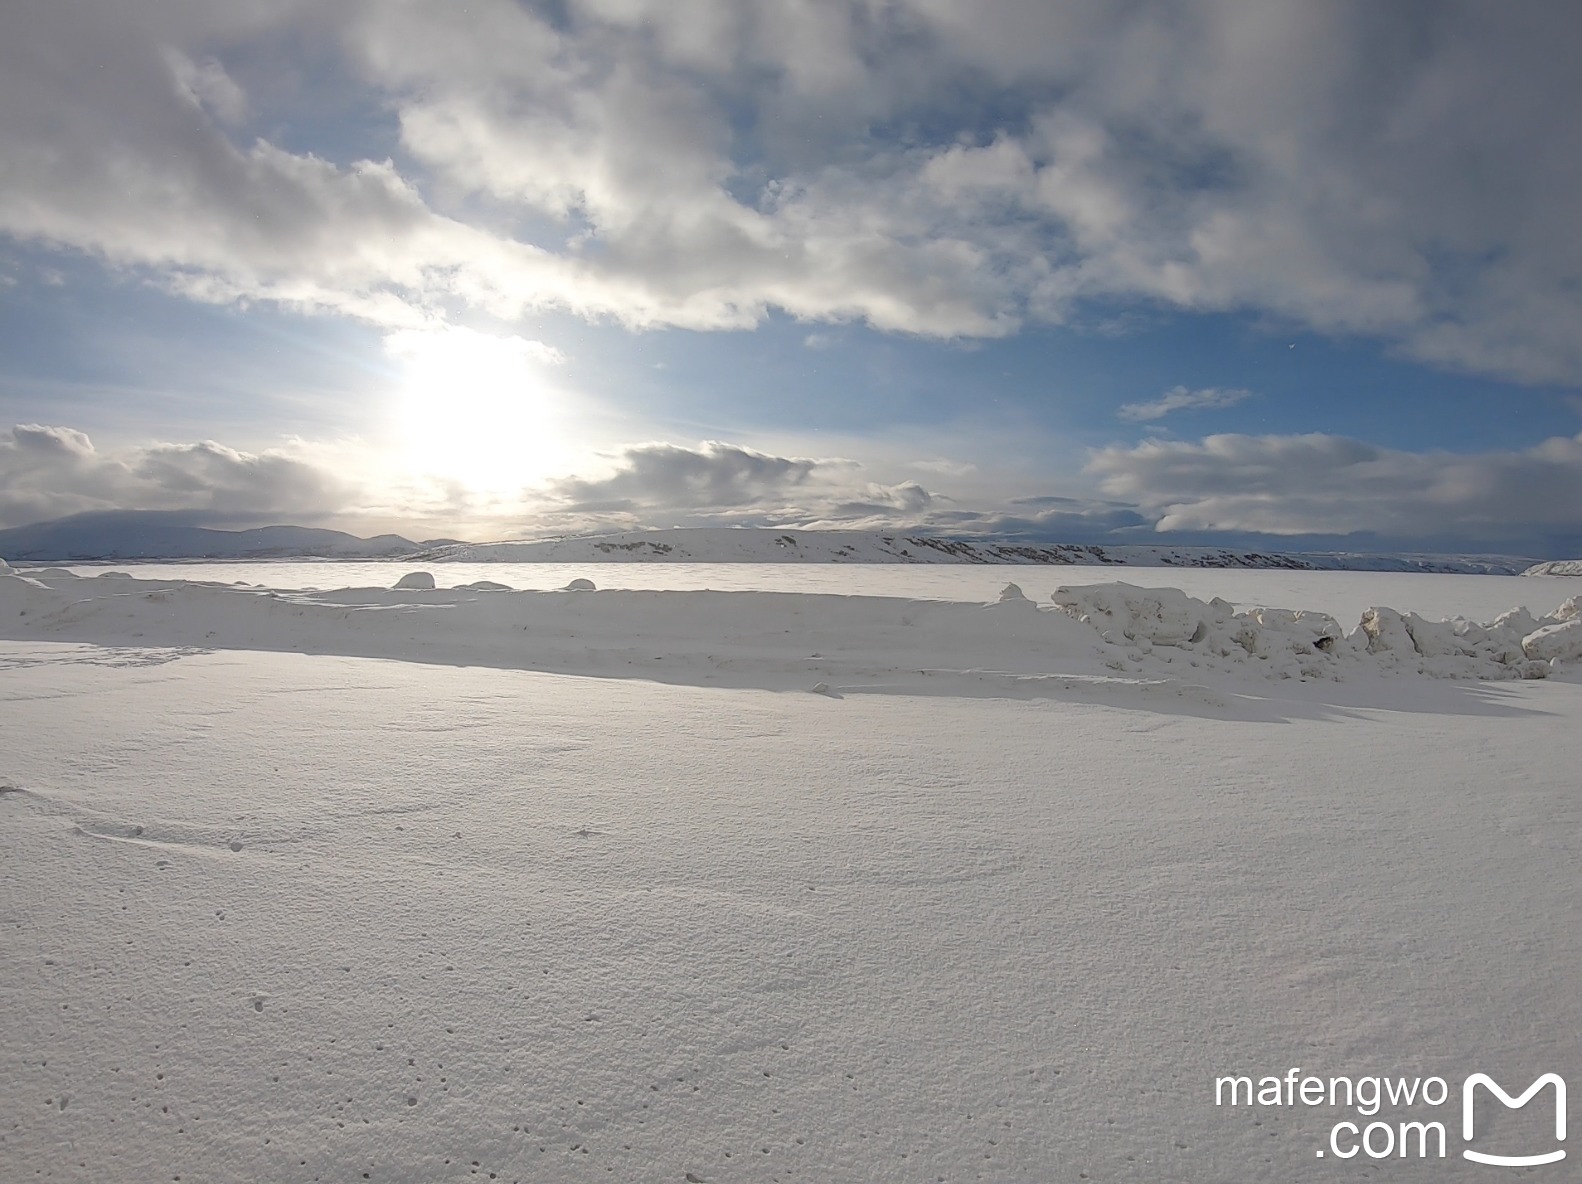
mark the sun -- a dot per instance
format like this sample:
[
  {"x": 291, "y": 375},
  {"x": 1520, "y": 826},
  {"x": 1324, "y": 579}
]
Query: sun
[{"x": 477, "y": 409}]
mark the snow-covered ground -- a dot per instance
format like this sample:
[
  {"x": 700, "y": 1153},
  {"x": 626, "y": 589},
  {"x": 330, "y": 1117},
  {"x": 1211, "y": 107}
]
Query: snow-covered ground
[{"x": 421, "y": 900}]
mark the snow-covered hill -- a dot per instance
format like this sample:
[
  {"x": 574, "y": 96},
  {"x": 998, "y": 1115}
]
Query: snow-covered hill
[
  {"x": 134, "y": 535},
  {"x": 131, "y": 535},
  {"x": 1556, "y": 567},
  {"x": 732, "y": 545}
]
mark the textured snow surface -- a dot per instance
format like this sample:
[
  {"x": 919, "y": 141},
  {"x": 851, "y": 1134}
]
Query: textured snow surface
[{"x": 392, "y": 908}]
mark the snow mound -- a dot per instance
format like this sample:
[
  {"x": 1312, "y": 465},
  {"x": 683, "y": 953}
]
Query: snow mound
[
  {"x": 483, "y": 586},
  {"x": 1286, "y": 643},
  {"x": 4, "y": 566},
  {"x": 580, "y": 585},
  {"x": 1556, "y": 567},
  {"x": 415, "y": 580}
]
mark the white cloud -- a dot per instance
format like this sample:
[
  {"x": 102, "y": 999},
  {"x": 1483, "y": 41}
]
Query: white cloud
[
  {"x": 1351, "y": 167},
  {"x": 944, "y": 466},
  {"x": 50, "y": 472},
  {"x": 1323, "y": 484},
  {"x": 208, "y": 87},
  {"x": 1180, "y": 398},
  {"x": 39, "y": 442}
]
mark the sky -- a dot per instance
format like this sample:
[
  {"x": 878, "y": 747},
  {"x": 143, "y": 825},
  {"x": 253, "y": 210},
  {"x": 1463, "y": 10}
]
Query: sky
[{"x": 1288, "y": 274}]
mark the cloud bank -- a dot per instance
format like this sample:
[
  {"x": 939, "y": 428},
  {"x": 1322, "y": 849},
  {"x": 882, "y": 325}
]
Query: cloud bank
[
  {"x": 1333, "y": 485},
  {"x": 50, "y": 472},
  {"x": 1225, "y": 489},
  {"x": 1392, "y": 171},
  {"x": 664, "y": 484}
]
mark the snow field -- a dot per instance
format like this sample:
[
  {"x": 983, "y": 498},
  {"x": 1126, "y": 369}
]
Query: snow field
[{"x": 420, "y": 903}]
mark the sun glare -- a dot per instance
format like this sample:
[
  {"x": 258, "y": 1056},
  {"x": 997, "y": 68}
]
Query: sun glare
[{"x": 477, "y": 409}]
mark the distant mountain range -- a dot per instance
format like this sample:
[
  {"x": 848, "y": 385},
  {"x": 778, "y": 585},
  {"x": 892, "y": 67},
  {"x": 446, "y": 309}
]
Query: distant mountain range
[
  {"x": 732, "y": 545},
  {"x": 115, "y": 535},
  {"x": 135, "y": 535}
]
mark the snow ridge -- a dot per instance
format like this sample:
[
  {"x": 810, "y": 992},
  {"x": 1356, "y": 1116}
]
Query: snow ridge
[
  {"x": 1165, "y": 624},
  {"x": 793, "y": 641}
]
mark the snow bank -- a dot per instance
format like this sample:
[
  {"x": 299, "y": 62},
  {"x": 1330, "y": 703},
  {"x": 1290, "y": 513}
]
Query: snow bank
[
  {"x": 794, "y": 641},
  {"x": 1283, "y": 643}
]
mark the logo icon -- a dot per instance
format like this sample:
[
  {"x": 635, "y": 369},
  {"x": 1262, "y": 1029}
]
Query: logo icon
[{"x": 1469, "y": 1087}]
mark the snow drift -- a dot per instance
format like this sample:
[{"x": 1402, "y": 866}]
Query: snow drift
[{"x": 792, "y": 641}]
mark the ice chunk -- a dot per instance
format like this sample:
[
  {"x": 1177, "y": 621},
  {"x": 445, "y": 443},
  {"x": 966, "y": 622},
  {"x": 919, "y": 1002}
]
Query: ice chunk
[{"x": 1555, "y": 643}]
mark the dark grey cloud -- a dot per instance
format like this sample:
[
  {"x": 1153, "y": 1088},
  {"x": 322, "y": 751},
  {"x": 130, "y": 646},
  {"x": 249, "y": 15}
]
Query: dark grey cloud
[
  {"x": 714, "y": 476},
  {"x": 662, "y": 484},
  {"x": 1399, "y": 171},
  {"x": 50, "y": 472},
  {"x": 907, "y": 500},
  {"x": 1052, "y": 519},
  {"x": 1333, "y": 485}
]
